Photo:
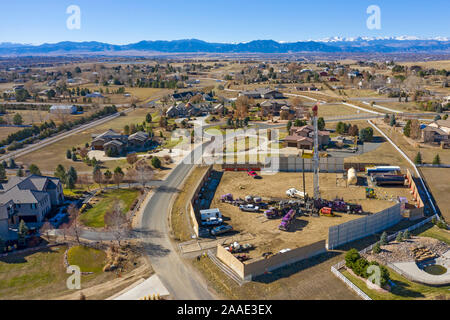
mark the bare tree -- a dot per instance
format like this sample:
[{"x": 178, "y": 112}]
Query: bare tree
[
  {"x": 144, "y": 173},
  {"x": 117, "y": 222},
  {"x": 45, "y": 229},
  {"x": 74, "y": 228}
]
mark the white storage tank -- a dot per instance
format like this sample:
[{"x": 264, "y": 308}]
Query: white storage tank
[{"x": 352, "y": 177}]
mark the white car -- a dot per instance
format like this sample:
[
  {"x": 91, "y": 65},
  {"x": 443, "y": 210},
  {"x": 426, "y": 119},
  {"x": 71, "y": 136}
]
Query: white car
[{"x": 249, "y": 208}]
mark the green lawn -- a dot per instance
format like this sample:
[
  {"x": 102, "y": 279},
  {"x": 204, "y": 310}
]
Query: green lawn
[
  {"x": 40, "y": 275},
  {"x": 432, "y": 231},
  {"x": 94, "y": 217},
  {"x": 403, "y": 289},
  {"x": 88, "y": 259}
]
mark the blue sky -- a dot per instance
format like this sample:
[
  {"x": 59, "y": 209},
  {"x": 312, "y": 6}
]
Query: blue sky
[{"x": 129, "y": 21}]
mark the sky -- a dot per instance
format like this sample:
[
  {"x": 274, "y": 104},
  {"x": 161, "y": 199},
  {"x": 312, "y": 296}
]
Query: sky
[{"x": 226, "y": 21}]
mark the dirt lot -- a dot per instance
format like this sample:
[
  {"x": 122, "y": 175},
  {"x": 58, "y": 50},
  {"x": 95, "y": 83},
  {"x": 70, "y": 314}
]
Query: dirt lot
[
  {"x": 305, "y": 230},
  {"x": 437, "y": 180}
]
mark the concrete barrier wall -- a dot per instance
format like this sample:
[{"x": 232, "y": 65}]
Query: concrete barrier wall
[
  {"x": 192, "y": 207},
  {"x": 413, "y": 188},
  {"x": 295, "y": 164},
  {"x": 227, "y": 258},
  {"x": 363, "y": 227},
  {"x": 255, "y": 268}
]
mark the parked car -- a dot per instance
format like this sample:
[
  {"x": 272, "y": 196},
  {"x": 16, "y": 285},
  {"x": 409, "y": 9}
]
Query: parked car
[
  {"x": 221, "y": 229},
  {"x": 252, "y": 174},
  {"x": 249, "y": 208},
  {"x": 212, "y": 221}
]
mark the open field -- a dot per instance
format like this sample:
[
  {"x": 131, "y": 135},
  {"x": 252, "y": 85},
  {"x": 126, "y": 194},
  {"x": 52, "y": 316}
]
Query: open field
[
  {"x": 40, "y": 275},
  {"x": 438, "y": 181},
  {"x": 101, "y": 204},
  {"x": 305, "y": 230},
  {"x": 6, "y": 131},
  {"x": 338, "y": 110},
  {"x": 439, "y": 64},
  {"x": 48, "y": 158},
  {"x": 88, "y": 259}
]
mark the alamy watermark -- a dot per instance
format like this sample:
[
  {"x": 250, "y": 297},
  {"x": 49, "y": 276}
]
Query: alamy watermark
[
  {"x": 74, "y": 20},
  {"x": 374, "y": 20},
  {"x": 74, "y": 281}
]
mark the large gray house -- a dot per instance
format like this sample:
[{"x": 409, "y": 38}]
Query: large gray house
[{"x": 29, "y": 199}]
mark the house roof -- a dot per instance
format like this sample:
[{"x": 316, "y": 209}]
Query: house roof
[
  {"x": 30, "y": 189},
  {"x": 116, "y": 143},
  {"x": 299, "y": 139},
  {"x": 140, "y": 135}
]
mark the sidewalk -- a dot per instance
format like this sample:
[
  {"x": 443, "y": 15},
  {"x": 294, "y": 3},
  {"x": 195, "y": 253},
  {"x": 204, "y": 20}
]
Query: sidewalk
[{"x": 151, "y": 286}]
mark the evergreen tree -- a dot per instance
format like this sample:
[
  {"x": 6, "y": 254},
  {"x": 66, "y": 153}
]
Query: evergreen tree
[
  {"x": 60, "y": 172},
  {"x": 376, "y": 248},
  {"x": 437, "y": 160},
  {"x": 156, "y": 163},
  {"x": 20, "y": 173},
  {"x": 383, "y": 239},
  {"x": 406, "y": 235},
  {"x": 69, "y": 154},
  {"x": 407, "y": 129},
  {"x": 2, "y": 172},
  {"x": 70, "y": 182},
  {"x": 73, "y": 173},
  {"x": 392, "y": 121},
  {"x": 12, "y": 164},
  {"x": 74, "y": 156},
  {"x": 34, "y": 169},
  {"x": 399, "y": 237},
  {"x": 418, "y": 158}
]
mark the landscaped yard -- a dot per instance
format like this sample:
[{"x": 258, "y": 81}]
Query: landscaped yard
[
  {"x": 41, "y": 275},
  {"x": 95, "y": 217},
  {"x": 403, "y": 289},
  {"x": 88, "y": 259}
]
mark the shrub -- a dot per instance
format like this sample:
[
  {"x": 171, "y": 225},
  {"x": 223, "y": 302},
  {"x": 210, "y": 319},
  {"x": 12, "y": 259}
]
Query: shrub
[
  {"x": 383, "y": 239},
  {"x": 351, "y": 257},
  {"x": 376, "y": 248}
]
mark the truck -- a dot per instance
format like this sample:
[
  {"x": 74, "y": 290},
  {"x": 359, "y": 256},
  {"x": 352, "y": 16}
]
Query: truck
[
  {"x": 249, "y": 208},
  {"x": 294, "y": 193},
  {"x": 212, "y": 221},
  {"x": 287, "y": 219},
  {"x": 221, "y": 229},
  {"x": 210, "y": 213}
]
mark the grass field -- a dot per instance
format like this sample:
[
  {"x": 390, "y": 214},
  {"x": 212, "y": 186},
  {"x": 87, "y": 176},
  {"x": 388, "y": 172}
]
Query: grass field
[
  {"x": 94, "y": 217},
  {"x": 6, "y": 131},
  {"x": 88, "y": 259},
  {"x": 403, "y": 289},
  {"x": 432, "y": 231},
  {"x": 40, "y": 275},
  {"x": 338, "y": 110}
]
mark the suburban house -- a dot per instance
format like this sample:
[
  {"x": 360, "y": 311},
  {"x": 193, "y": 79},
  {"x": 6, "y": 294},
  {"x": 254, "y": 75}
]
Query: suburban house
[
  {"x": 303, "y": 138},
  {"x": 29, "y": 199},
  {"x": 181, "y": 96},
  {"x": 63, "y": 109},
  {"x": 437, "y": 132},
  {"x": 178, "y": 111},
  {"x": 262, "y": 94},
  {"x": 218, "y": 109},
  {"x": 182, "y": 110},
  {"x": 272, "y": 107},
  {"x": 115, "y": 143}
]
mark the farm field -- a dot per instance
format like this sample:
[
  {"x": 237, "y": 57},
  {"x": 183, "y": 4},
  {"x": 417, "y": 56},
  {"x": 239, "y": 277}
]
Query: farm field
[{"x": 305, "y": 230}]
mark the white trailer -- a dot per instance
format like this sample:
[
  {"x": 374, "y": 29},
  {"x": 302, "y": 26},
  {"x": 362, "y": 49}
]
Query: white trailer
[
  {"x": 294, "y": 193},
  {"x": 210, "y": 213}
]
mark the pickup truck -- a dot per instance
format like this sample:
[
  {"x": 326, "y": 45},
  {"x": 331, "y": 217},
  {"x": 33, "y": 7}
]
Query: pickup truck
[
  {"x": 249, "y": 208},
  {"x": 221, "y": 229},
  {"x": 212, "y": 221}
]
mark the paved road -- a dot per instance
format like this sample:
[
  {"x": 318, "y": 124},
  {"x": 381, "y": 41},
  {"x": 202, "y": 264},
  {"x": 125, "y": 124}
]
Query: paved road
[
  {"x": 51, "y": 140},
  {"x": 180, "y": 279}
]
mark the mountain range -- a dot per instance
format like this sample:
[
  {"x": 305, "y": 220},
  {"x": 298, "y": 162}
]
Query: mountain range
[{"x": 337, "y": 45}]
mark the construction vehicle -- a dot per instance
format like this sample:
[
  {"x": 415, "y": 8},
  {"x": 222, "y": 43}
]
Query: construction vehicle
[
  {"x": 287, "y": 220},
  {"x": 326, "y": 211},
  {"x": 272, "y": 213},
  {"x": 370, "y": 193},
  {"x": 227, "y": 198},
  {"x": 294, "y": 193}
]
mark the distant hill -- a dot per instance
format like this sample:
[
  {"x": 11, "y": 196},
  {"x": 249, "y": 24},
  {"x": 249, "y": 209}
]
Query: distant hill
[{"x": 358, "y": 45}]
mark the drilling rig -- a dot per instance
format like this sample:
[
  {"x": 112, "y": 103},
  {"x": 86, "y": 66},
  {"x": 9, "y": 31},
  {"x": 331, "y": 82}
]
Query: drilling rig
[{"x": 316, "y": 159}]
